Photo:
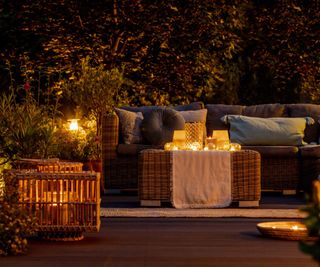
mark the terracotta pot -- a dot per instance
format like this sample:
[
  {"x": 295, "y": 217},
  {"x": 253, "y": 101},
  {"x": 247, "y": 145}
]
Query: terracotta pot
[{"x": 95, "y": 165}]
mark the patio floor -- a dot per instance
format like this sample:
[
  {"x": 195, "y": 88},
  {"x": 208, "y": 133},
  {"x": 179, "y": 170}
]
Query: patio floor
[{"x": 170, "y": 242}]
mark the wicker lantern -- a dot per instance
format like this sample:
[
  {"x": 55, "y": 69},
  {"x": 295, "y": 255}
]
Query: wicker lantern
[{"x": 65, "y": 204}]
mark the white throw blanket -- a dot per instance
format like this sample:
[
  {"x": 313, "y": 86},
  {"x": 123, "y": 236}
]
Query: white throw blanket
[{"x": 201, "y": 179}]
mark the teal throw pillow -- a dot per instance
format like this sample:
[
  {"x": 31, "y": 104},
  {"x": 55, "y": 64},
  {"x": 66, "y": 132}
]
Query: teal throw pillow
[{"x": 267, "y": 131}]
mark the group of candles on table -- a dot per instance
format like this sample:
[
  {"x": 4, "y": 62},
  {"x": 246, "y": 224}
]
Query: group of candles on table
[{"x": 218, "y": 141}]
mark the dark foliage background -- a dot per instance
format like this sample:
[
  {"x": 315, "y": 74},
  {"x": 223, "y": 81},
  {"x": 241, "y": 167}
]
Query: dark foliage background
[{"x": 174, "y": 51}]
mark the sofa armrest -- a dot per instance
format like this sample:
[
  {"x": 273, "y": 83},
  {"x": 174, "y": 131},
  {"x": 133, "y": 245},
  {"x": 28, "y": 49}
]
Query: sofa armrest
[{"x": 109, "y": 136}]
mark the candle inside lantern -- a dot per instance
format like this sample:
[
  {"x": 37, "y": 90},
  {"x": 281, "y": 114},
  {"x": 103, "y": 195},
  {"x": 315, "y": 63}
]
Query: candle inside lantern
[
  {"x": 57, "y": 211},
  {"x": 179, "y": 138},
  {"x": 295, "y": 227},
  {"x": 220, "y": 135}
]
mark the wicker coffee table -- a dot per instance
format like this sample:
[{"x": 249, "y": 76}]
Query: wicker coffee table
[{"x": 155, "y": 177}]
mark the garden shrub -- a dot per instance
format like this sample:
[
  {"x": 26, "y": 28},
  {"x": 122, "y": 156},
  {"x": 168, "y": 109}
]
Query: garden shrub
[{"x": 16, "y": 224}]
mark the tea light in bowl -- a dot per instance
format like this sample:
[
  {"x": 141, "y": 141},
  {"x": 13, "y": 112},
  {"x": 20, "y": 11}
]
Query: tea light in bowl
[
  {"x": 168, "y": 146},
  {"x": 235, "y": 147},
  {"x": 194, "y": 146},
  {"x": 211, "y": 146}
]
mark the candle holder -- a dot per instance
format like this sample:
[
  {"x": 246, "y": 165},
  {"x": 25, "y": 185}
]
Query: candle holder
[
  {"x": 235, "y": 147},
  {"x": 288, "y": 230},
  {"x": 179, "y": 139}
]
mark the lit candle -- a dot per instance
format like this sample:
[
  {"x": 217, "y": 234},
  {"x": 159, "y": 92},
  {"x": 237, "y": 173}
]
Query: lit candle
[
  {"x": 235, "y": 147},
  {"x": 168, "y": 146}
]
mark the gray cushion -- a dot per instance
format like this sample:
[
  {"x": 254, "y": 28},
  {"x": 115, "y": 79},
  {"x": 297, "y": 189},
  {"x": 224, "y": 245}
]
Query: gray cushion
[
  {"x": 158, "y": 126},
  {"x": 310, "y": 151},
  {"x": 216, "y": 111},
  {"x": 130, "y": 123},
  {"x": 275, "y": 151},
  {"x": 264, "y": 110},
  {"x": 191, "y": 106},
  {"x": 134, "y": 149},
  {"x": 307, "y": 110},
  {"x": 266, "y": 131},
  {"x": 148, "y": 109},
  {"x": 194, "y": 115}
]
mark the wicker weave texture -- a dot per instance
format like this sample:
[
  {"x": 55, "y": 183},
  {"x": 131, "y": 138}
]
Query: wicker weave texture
[
  {"x": 155, "y": 168},
  {"x": 61, "y": 201},
  {"x": 280, "y": 173},
  {"x": 155, "y": 173},
  {"x": 121, "y": 173},
  {"x": 246, "y": 175},
  {"x": 47, "y": 165},
  {"x": 310, "y": 172}
]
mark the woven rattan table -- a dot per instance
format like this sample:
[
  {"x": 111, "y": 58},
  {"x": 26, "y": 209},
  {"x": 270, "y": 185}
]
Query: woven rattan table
[{"x": 155, "y": 177}]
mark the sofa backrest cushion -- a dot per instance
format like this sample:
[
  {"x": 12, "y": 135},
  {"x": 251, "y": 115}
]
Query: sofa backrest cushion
[
  {"x": 307, "y": 110},
  {"x": 148, "y": 109},
  {"x": 192, "y": 106},
  {"x": 158, "y": 126},
  {"x": 266, "y": 131},
  {"x": 264, "y": 111},
  {"x": 194, "y": 115},
  {"x": 216, "y": 112}
]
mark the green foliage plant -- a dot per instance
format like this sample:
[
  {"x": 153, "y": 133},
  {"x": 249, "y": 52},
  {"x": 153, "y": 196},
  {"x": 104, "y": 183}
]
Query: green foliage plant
[
  {"x": 94, "y": 89},
  {"x": 312, "y": 222},
  {"x": 80, "y": 145},
  {"x": 16, "y": 224},
  {"x": 26, "y": 127}
]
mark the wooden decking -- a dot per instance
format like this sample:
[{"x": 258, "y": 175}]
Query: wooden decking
[{"x": 168, "y": 242}]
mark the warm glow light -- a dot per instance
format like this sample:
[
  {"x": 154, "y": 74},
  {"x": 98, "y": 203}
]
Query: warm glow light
[
  {"x": 1, "y": 187},
  {"x": 74, "y": 125},
  {"x": 235, "y": 147},
  {"x": 295, "y": 227}
]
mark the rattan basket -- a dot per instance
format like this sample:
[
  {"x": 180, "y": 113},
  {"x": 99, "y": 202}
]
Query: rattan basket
[
  {"x": 47, "y": 165},
  {"x": 65, "y": 204},
  {"x": 288, "y": 230}
]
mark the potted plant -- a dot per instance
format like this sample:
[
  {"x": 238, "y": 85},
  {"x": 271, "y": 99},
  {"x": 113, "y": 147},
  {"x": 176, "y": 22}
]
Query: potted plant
[{"x": 95, "y": 90}]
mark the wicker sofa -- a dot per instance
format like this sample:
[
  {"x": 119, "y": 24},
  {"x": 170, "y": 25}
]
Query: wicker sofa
[{"x": 283, "y": 168}]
